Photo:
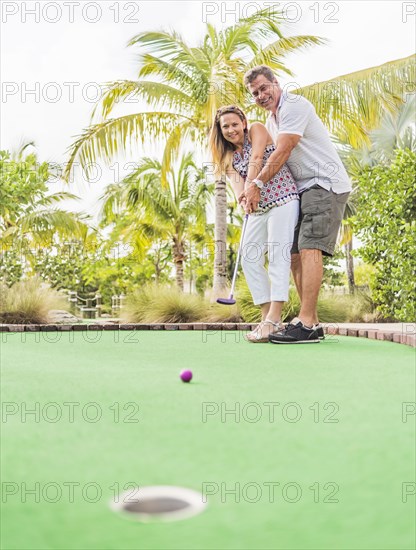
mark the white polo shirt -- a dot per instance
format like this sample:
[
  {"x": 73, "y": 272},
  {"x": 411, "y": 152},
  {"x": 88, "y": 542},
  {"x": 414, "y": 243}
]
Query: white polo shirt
[{"x": 314, "y": 160}]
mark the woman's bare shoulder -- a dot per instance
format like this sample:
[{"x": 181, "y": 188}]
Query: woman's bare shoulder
[
  {"x": 258, "y": 126},
  {"x": 257, "y": 129}
]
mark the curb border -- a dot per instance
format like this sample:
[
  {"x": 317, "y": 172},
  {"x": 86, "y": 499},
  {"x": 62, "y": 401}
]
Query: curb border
[{"x": 408, "y": 339}]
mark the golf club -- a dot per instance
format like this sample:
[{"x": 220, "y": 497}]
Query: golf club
[{"x": 230, "y": 301}]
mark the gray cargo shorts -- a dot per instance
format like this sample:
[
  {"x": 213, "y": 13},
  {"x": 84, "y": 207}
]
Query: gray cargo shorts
[{"x": 320, "y": 218}]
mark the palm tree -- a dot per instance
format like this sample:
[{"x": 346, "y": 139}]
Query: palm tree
[
  {"x": 189, "y": 83},
  {"x": 156, "y": 211},
  {"x": 346, "y": 240},
  {"x": 29, "y": 215}
]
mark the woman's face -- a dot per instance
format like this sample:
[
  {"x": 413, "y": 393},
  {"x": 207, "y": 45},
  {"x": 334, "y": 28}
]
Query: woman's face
[{"x": 232, "y": 128}]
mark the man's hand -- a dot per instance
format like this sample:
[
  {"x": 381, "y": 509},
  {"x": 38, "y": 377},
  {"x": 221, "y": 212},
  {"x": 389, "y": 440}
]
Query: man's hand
[{"x": 252, "y": 195}]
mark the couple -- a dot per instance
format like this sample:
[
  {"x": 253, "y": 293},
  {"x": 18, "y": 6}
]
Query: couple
[{"x": 289, "y": 178}]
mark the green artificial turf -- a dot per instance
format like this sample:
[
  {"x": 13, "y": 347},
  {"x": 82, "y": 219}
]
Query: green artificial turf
[{"x": 337, "y": 450}]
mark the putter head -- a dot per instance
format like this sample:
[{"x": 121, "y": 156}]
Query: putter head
[{"x": 226, "y": 301}]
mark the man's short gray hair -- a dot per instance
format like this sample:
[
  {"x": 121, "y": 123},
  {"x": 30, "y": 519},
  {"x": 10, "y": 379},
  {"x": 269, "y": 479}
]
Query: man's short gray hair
[{"x": 253, "y": 73}]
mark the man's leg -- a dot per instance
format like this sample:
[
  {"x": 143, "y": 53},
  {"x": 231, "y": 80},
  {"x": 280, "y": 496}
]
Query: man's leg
[
  {"x": 311, "y": 279},
  {"x": 320, "y": 232},
  {"x": 301, "y": 329},
  {"x": 322, "y": 212}
]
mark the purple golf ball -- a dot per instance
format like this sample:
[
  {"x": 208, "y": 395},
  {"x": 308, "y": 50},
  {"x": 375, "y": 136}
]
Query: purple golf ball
[{"x": 186, "y": 375}]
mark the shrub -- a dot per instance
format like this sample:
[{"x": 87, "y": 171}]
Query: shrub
[
  {"x": 167, "y": 304},
  {"x": 385, "y": 222},
  {"x": 363, "y": 275},
  {"x": 162, "y": 304},
  {"x": 28, "y": 302},
  {"x": 344, "y": 308},
  {"x": 361, "y": 308},
  {"x": 332, "y": 308}
]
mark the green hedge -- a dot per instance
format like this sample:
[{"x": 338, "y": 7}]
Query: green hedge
[{"x": 386, "y": 223}]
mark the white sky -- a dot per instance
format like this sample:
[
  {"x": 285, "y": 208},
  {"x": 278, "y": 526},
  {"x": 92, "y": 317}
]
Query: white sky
[{"x": 55, "y": 47}]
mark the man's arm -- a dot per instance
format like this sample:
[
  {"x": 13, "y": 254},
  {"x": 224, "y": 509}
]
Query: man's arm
[
  {"x": 275, "y": 162},
  {"x": 286, "y": 143}
]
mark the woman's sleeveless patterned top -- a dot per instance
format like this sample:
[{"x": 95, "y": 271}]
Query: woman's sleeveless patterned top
[{"x": 279, "y": 190}]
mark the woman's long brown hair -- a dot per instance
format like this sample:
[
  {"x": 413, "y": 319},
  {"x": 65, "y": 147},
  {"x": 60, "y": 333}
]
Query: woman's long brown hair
[{"x": 220, "y": 147}]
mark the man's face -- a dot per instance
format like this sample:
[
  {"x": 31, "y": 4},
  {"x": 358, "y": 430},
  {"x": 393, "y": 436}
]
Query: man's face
[{"x": 265, "y": 93}]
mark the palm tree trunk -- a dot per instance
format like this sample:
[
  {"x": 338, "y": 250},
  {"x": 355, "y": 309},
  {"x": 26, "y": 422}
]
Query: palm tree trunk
[
  {"x": 178, "y": 258},
  {"x": 220, "y": 239},
  {"x": 350, "y": 266},
  {"x": 156, "y": 263},
  {"x": 190, "y": 267}
]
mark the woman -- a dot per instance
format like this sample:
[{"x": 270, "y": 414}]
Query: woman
[{"x": 240, "y": 153}]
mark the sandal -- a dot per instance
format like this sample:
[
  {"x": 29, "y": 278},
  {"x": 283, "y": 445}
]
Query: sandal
[{"x": 255, "y": 336}]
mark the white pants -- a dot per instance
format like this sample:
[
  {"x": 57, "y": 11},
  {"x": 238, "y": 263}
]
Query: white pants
[{"x": 273, "y": 232}]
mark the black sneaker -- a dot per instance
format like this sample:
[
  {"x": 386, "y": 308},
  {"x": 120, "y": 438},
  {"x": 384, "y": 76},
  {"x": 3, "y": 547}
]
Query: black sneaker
[
  {"x": 320, "y": 331},
  {"x": 295, "y": 333}
]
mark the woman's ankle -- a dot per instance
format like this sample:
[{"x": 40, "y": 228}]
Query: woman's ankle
[{"x": 274, "y": 320}]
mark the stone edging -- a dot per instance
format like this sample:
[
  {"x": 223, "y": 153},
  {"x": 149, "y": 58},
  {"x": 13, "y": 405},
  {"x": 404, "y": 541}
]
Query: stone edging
[
  {"x": 330, "y": 329},
  {"x": 374, "y": 334}
]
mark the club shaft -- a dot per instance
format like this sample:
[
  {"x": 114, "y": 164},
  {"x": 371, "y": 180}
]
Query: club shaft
[{"x": 240, "y": 246}]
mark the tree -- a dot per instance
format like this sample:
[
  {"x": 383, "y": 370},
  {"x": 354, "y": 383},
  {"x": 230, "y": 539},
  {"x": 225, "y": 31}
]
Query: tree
[
  {"x": 220, "y": 256},
  {"x": 157, "y": 211},
  {"x": 29, "y": 216},
  {"x": 346, "y": 240},
  {"x": 199, "y": 263},
  {"x": 63, "y": 265}
]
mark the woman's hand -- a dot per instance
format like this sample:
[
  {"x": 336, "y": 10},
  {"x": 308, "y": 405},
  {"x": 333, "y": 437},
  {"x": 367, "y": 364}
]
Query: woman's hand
[
  {"x": 243, "y": 205},
  {"x": 242, "y": 201},
  {"x": 252, "y": 197}
]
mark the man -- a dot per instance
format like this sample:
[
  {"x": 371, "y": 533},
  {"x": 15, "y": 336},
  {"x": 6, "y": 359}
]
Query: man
[{"x": 303, "y": 143}]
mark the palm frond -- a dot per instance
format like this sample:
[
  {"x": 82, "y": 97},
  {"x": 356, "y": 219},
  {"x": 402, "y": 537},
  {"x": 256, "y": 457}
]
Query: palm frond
[
  {"x": 164, "y": 43},
  {"x": 273, "y": 54},
  {"x": 154, "y": 93},
  {"x": 170, "y": 152},
  {"x": 160, "y": 68},
  {"x": 57, "y": 197},
  {"x": 106, "y": 139},
  {"x": 352, "y": 105},
  {"x": 51, "y": 221},
  {"x": 268, "y": 22},
  {"x": 235, "y": 38}
]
